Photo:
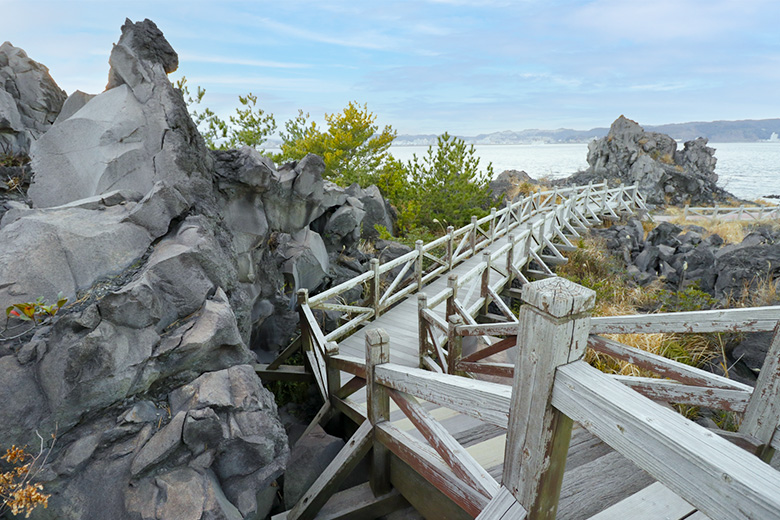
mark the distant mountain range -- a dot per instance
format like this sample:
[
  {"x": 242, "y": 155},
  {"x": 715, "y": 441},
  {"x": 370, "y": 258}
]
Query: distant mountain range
[{"x": 744, "y": 131}]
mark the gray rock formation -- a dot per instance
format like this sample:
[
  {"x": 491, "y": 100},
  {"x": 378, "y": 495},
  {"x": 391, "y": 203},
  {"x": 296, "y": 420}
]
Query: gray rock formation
[
  {"x": 180, "y": 266},
  {"x": 29, "y": 100},
  {"x": 134, "y": 134},
  {"x": 630, "y": 155}
]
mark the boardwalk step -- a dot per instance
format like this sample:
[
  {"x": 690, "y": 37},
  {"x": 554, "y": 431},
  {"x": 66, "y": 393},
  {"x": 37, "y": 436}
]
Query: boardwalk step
[{"x": 357, "y": 502}]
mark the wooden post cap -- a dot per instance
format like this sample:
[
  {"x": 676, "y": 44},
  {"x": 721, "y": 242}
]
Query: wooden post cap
[
  {"x": 558, "y": 296},
  {"x": 377, "y": 337}
]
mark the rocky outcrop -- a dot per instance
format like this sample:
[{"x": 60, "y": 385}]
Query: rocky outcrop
[
  {"x": 29, "y": 100},
  {"x": 665, "y": 175},
  {"x": 134, "y": 134},
  {"x": 180, "y": 266}
]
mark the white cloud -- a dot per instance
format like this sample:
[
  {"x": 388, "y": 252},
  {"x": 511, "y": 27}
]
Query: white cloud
[{"x": 200, "y": 58}]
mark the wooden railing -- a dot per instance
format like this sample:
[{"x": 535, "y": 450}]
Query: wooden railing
[
  {"x": 572, "y": 209},
  {"x": 732, "y": 213},
  {"x": 552, "y": 387}
]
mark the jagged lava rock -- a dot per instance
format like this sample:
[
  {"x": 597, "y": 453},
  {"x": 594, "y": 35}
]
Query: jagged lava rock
[
  {"x": 630, "y": 155},
  {"x": 132, "y": 135},
  {"x": 29, "y": 100}
]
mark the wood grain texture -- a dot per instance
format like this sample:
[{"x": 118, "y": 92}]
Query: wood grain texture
[
  {"x": 663, "y": 366},
  {"x": 488, "y": 402},
  {"x": 707, "y": 471},
  {"x": 754, "y": 319},
  {"x": 763, "y": 411},
  {"x": 424, "y": 460},
  {"x": 456, "y": 457},
  {"x": 378, "y": 405},
  {"x": 504, "y": 506},
  {"x": 675, "y": 392},
  {"x": 538, "y": 435}
]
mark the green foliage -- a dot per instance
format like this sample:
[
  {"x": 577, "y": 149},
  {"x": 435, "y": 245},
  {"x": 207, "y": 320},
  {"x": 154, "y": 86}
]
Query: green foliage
[
  {"x": 352, "y": 147},
  {"x": 692, "y": 298},
  {"x": 35, "y": 311},
  {"x": 251, "y": 126},
  {"x": 449, "y": 184}
]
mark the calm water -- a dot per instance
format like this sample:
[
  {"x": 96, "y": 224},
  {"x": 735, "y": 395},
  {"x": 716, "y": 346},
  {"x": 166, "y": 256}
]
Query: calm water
[{"x": 748, "y": 170}]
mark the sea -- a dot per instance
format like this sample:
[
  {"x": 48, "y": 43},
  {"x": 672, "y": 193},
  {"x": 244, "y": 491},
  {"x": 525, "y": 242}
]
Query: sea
[{"x": 748, "y": 170}]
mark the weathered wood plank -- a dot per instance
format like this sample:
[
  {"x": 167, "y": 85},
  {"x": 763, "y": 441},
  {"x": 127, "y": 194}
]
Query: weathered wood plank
[
  {"x": 654, "y": 502},
  {"x": 488, "y": 402},
  {"x": 708, "y": 472},
  {"x": 763, "y": 411},
  {"x": 288, "y": 351},
  {"x": 351, "y": 364},
  {"x": 425, "y": 461},
  {"x": 663, "y": 366},
  {"x": 324, "y": 412},
  {"x": 318, "y": 372},
  {"x": 675, "y": 392},
  {"x": 350, "y": 387},
  {"x": 354, "y": 411},
  {"x": 495, "y": 348},
  {"x": 327, "y": 483},
  {"x": 504, "y": 506},
  {"x": 359, "y": 503},
  {"x": 343, "y": 287},
  {"x": 456, "y": 457},
  {"x": 753, "y": 319},
  {"x": 283, "y": 373},
  {"x": 489, "y": 369}
]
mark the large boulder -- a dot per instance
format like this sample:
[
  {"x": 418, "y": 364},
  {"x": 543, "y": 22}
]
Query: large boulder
[
  {"x": 29, "y": 100},
  {"x": 136, "y": 133},
  {"x": 511, "y": 183}
]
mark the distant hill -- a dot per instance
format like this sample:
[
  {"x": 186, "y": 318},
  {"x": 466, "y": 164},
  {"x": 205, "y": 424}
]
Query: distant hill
[{"x": 744, "y": 131}]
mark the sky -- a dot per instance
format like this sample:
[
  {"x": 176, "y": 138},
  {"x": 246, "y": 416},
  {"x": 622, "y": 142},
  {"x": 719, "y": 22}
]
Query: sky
[{"x": 429, "y": 66}]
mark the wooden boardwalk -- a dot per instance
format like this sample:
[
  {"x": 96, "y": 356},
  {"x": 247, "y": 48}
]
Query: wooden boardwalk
[{"x": 442, "y": 441}]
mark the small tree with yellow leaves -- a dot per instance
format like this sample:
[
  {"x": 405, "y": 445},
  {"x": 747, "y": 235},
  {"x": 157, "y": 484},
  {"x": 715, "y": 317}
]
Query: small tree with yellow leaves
[{"x": 18, "y": 493}]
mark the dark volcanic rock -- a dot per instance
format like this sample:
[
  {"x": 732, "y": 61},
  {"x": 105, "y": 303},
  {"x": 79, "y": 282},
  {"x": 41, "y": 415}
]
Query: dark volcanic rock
[{"x": 630, "y": 155}]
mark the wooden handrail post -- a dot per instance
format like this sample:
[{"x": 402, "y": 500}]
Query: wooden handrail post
[
  {"x": 509, "y": 214},
  {"x": 452, "y": 283},
  {"x": 422, "y": 326},
  {"x": 454, "y": 345},
  {"x": 450, "y": 246},
  {"x": 741, "y": 211},
  {"x": 492, "y": 224},
  {"x": 333, "y": 374},
  {"x": 715, "y": 213},
  {"x": 510, "y": 260},
  {"x": 553, "y": 331},
  {"x": 377, "y": 353},
  {"x": 604, "y": 196},
  {"x": 303, "y": 299},
  {"x": 588, "y": 190},
  {"x": 473, "y": 237},
  {"x": 418, "y": 266},
  {"x": 763, "y": 410},
  {"x": 485, "y": 282},
  {"x": 685, "y": 212},
  {"x": 375, "y": 287}
]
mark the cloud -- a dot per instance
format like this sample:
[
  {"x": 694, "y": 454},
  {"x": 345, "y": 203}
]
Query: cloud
[
  {"x": 362, "y": 40},
  {"x": 200, "y": 58}
]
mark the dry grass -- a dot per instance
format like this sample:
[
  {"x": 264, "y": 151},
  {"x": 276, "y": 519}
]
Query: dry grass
[{"x": 593, "y": 267}]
